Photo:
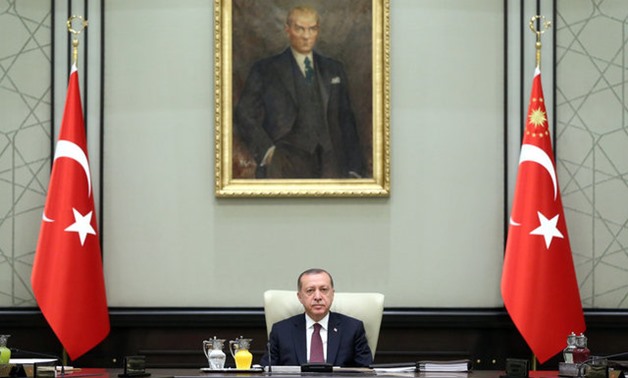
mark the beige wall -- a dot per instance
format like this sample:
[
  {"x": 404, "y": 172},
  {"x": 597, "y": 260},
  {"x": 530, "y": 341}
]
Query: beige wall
[{"x": 418, "y": 247}]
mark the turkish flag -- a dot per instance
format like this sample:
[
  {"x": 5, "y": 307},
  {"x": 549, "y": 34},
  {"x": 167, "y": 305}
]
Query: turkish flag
[
  {"x": 539, "y": 284},
  {"x": 67, "y": 277}
]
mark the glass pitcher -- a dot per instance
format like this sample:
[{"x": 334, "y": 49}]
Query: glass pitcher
[
  {"x": 240, "y": 351},
  {"x": 213, "y": 351},
  {"x": 571, "y": 347},
  {"x": 5, "y": 353}
]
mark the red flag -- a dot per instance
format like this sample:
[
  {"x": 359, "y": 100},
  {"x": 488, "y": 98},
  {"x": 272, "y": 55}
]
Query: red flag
[
  {"x": 67, "y": 277},
  {"x": 539, "y": 284}
]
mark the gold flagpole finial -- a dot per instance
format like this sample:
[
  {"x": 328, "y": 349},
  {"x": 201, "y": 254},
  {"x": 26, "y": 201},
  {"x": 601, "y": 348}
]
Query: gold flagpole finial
[
  {"x": 538, "y": 31},
  {"x": 82, "y": 24}
]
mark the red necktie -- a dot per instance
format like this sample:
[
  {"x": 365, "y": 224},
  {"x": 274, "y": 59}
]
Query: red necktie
[{"x": 316, "y": 346}]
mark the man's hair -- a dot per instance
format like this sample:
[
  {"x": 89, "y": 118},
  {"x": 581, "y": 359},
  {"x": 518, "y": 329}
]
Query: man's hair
[
  {"x": 302, "y": 9},
  {"x": 314, "y": 271}
]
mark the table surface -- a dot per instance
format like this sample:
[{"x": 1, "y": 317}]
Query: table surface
[{"x": 171, "y": 373}]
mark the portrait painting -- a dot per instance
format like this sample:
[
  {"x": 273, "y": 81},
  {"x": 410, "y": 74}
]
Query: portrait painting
[{"x": 302, "y": 98}]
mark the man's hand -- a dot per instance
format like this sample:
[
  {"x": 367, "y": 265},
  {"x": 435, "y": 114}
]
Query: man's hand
[{"x": 268, "y": 156}]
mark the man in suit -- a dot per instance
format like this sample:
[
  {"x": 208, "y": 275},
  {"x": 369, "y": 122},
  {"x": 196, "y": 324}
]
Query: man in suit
[
  {"x": 342, "y": 340},
  {"x": 294, "y": 113}
]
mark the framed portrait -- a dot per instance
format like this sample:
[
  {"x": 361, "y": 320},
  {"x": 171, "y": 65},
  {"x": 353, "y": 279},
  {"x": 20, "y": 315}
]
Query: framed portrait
[{"x": 302, "y": 98}]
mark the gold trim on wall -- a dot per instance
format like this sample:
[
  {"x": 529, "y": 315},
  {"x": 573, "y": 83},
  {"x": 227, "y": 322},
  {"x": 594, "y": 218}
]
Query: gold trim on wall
[{"x": 231, "y": 168}]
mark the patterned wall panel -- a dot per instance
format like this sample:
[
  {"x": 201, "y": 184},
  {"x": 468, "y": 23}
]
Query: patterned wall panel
[
  {"x": 25, "y": 103},
  {"x": 592, "y": 143}
]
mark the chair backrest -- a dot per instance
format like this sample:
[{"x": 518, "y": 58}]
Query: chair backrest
[{"x": 367, "y": 307}]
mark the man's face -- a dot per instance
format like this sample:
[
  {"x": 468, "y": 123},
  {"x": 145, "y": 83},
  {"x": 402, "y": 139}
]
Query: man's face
[
  {"x": 302, "y": 32},
  {"x": 316, "y": 295}
]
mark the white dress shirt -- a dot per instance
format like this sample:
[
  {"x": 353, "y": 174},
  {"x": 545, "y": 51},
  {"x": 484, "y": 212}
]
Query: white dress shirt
[
  {"x": 309, "y": 330},
  {"x": 300, "y": 58}
]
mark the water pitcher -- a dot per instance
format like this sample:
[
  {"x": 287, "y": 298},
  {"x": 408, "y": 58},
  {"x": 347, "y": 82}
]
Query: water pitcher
[{"x": 213, "y": 351}]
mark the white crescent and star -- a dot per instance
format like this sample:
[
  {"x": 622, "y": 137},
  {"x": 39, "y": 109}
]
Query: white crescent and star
[
  {"x": 547, "y": 228},
  {"x": 82, "y": 223}
]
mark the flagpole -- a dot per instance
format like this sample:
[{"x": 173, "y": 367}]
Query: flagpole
[
  {"x": 534, "y": 21},
  {"x": 75, "y": 43}
]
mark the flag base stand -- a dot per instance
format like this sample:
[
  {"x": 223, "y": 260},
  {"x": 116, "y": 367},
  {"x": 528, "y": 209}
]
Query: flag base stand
[
  {"x": 516, "y": 368},
  {"x": 567, "y": 369}
]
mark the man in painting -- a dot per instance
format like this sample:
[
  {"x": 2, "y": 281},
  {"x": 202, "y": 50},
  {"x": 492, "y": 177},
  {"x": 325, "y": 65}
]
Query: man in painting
[{"x": 294, "y": 113}]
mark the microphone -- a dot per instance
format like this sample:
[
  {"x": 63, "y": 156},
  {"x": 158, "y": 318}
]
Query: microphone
[{"x": 270, "y": 358}]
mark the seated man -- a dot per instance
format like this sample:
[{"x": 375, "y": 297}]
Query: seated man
[{"x": 318, "y": 336}]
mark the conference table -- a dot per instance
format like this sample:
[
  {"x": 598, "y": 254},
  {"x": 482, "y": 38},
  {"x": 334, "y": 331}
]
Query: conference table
[{"x": 197, "y": 373}]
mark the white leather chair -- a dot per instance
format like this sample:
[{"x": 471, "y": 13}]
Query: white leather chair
[{"x": 367, "y": 307}]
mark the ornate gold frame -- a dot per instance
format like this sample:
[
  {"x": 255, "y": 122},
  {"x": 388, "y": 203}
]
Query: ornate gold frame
[{"x": 226, "y": 186}]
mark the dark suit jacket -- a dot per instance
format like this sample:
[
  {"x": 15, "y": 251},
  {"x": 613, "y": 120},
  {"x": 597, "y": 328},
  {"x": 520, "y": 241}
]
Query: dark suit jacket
[
  {"x": 268, "y": 108},
  {"x": 346, "y": 342}
]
